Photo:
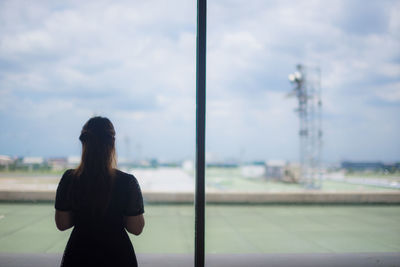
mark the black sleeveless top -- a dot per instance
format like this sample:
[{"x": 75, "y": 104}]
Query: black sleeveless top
[{"x": 100, "y": 240}]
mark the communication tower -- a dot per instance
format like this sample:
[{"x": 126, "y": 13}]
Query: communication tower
[{"x": 307, "y": 89}]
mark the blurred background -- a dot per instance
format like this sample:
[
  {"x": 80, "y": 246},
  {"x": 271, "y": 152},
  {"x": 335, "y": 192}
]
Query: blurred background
[{"x": 301, "y": 96}]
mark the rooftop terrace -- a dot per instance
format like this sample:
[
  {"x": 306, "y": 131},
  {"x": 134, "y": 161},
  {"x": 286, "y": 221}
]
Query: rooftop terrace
[{"x": 276, "y": 233}]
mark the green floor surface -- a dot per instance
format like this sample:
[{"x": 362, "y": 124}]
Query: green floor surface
[{"x": 30, "y": 228}]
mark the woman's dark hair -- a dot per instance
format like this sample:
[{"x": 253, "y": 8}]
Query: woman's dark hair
[{"x": 96, "y": 171}]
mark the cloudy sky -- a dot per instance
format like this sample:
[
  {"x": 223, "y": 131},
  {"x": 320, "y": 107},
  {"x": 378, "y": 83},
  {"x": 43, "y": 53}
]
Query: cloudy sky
[{"x": 62, "y": 62}]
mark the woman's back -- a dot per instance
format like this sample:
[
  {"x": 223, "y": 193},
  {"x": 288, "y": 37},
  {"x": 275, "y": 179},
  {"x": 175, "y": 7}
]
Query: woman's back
[
  {"x": 100, "y": 202},
  {"x": 99, "y": 238}
]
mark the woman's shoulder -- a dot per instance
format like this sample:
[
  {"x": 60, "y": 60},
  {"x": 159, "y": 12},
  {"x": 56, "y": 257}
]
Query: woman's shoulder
[
  {"x": 126, "y": 177},
  {"x": 120, "y": 173},
  {"x": 66, "y": 178},
  {"x": 68, "y": 174}
]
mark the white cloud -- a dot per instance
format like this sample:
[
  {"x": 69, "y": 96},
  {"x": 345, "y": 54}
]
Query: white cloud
[
  {"x": 389, "y": 92},
  {"x": 134, "y": 61}
]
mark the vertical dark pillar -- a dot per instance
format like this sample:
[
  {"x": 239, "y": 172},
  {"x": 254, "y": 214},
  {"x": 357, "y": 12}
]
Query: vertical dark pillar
[{"x": 200, "y": 132}]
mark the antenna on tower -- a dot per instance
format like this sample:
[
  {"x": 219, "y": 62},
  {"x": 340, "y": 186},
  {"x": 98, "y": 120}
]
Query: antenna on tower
[{"x": 307, "y": 89}]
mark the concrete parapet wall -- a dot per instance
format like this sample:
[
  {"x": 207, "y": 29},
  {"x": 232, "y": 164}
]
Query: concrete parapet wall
[
  {"x": 42, "y": 195},
  {"x": 304, "y": 197}
]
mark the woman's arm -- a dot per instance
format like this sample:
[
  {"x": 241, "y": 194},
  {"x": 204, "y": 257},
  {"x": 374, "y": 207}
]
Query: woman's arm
[
  {"x": 134, "y": 224},
  {"x": 64, "y": 220}
]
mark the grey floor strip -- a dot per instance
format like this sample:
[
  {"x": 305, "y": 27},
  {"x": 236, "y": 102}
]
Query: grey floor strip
[{"x": 225, "y": 260}]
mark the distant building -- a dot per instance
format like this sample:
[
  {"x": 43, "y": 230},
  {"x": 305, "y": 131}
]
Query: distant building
[
  {"x": 275, "y": 169},
  {"x": 392, "y": 167},
  {"x": 57, "y": 164},
  {"x": 253, "y": 171},
  {"x": 32, "y": 160},
  {"x": 292, "y": 173},
  {"x": 32, "y": 163},
  {"x": 73, "y": 161},
  {"x": 377, "y": 166},
  {"x": 361, "y": 166},
  {"x": 227, "y": 164},
  {"x": 5, "y": 162},
  {"x": 282, "y": 171}
]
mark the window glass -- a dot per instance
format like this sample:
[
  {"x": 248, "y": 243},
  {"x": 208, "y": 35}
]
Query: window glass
[
  {"x": 302, "y": 109},
  {"x": 64, "y": 62}
]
